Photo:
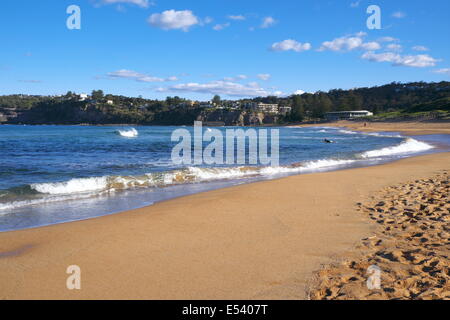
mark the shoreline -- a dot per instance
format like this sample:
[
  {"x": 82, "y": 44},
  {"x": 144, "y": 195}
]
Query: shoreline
[
  {"x": 262, "y": 240},
  {"x": 405, "y": 127},
  {"x": 231, "y": 243},
  {"x": 230, "y": 183},
  {"x": 408, "y": 128}
]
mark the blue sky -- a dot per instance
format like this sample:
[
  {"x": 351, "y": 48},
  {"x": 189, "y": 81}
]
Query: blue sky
[{"x": 196, "y": 49}]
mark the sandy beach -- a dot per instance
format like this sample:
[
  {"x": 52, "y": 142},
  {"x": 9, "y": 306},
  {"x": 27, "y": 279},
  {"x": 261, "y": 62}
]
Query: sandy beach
[
  {"x": 405, "y": 127},
  {"x": 409, "y": 252},
  {"x": 257, "y": 241}
]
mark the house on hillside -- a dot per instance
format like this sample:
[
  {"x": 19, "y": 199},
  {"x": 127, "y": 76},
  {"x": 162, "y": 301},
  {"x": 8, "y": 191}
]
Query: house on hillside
[
  {"x": 83, "y": 97},
  {"x": 262, "y": 107}
]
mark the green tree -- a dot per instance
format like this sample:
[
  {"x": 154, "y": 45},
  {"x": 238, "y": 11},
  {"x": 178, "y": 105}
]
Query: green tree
[
  {"x": 298, "y": 109},
  {"x": 69, "y": 95},
  {"x": 216, "y": 100},
  {"x": 97, "y": 95}
]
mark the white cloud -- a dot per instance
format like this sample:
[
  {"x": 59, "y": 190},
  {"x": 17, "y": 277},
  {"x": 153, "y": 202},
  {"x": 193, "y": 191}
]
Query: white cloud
[
  {"x": 371, "y": 46},
  {"x": 124, "y": 73},
  {"x": 219, "y": 87},
  {"x": 207, "y": 20},
  {"x": 172, "y": 78},
  {"x": 299, "y": 92},
  {"x": 264, "y": 76},
  {"x": 278, "y": 93},
  {"x": 349, "y": 43},
  {"x": 394, "y": 47},
  {"x": 399, "y": 15},
  {"x": 387, "y": 39},
  {"x": 31, "y": 81},
  {"x": 171, "y": 20},
  {"x": 418, "y": 61},
  {"x": 361, "y": 34},
  {"x": 141, "y": 77},
  {"x": 140, "y": 3},
  {"x": 237, "y": 78},
  {"x": 443, "y": 71},
  {"x": 290, "y": 44},
  {"x": 236, "y": 17},
  {"x": 268, "y": 22},
  {"x": 219, "y": 27},
  {"x": 420, "y": 48}
]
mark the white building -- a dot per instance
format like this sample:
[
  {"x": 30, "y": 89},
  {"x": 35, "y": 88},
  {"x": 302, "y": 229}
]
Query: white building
[
  {"x": 267, "y": 107},
  {"x": 263, "y": 107},
  {"x": 347, "y": 115},
  {"x": 83, "y": 97}
]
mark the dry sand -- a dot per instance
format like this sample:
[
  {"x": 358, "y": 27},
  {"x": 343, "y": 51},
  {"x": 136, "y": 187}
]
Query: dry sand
[
  {"x": 411, "y": 248},
  {"x": 406, "y": 128},
  {"x": 256, "y": 241}
]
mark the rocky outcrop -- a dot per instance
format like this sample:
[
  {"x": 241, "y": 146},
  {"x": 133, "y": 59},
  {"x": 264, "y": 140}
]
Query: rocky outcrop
[
  {"x": 237, "y": 118},
  {"x": 82, "y": 113}
]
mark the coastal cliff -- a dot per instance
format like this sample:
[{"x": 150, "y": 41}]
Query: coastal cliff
[
  {"x": 237, "y": 118},
  {"x": 81, "y": 113}
]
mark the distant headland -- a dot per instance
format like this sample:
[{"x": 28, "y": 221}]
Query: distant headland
[{"x": 395, "y": 101}]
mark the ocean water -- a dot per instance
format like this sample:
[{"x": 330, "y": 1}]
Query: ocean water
[{"x": 55, "y": 174}]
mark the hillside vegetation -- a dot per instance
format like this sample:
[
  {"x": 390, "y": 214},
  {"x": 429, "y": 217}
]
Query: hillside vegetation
[{"x": 391, "y": 101}]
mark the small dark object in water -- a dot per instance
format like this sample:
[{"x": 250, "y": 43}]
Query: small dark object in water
[{"x": 328, "y": 141}]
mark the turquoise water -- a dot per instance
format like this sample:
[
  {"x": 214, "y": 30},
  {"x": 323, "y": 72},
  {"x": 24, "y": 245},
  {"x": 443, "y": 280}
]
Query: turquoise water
[{"x": 54, "y": 174}]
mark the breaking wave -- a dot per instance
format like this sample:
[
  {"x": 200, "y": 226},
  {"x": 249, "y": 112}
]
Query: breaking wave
[
  {"x": 72, "y": 186},
  {"x": 88, "y": 187},
  {"x": 408, "y": 146},
  {"x": 131, "y": 133}
]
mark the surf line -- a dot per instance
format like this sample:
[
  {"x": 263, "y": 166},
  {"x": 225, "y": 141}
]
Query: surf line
[{"x": 234, "y": 140}]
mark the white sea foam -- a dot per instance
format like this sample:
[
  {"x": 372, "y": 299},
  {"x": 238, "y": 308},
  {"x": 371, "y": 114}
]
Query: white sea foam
[
  {"x": 377, "y": 134},
  {"x": 131, "y": 133},
  {"x": 88, "y": 187},
  {"x": 408, "y": 146},
  {"x": 348, "y": 132},
  {"x": 46, "y": 200},
  {"x": 309, "y": 166},
  {"x": 72, "y": 186},
  {"x": 209, "y": 174},
  {"x": 326, "y": 163}
]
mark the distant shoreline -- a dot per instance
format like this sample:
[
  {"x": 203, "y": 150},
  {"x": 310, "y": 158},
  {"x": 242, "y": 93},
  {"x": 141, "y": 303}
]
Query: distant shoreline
[
  {"x": 408, "y": 128},
  {"x": 378, "y": 125}
]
